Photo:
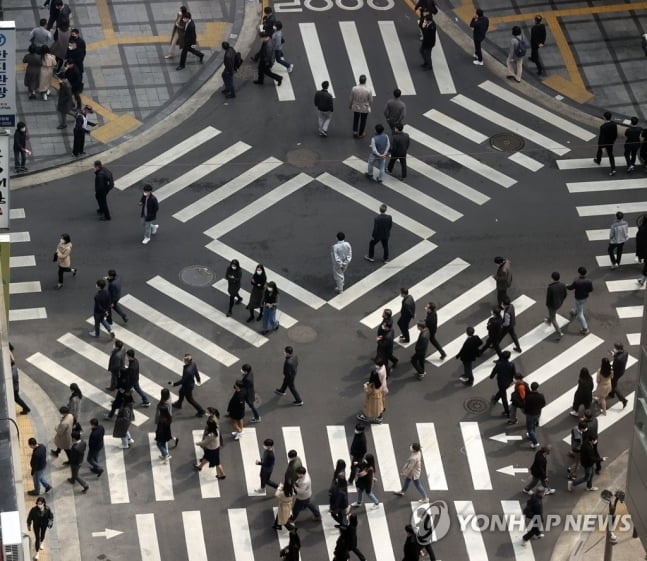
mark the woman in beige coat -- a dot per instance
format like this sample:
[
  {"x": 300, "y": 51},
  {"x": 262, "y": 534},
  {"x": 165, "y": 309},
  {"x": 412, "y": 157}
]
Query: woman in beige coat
[
  {"x": 63, "y": 436},
  {"x": 285, "y": 497},
  {"x": 63, "y": 258},
  {"x": 411, "y": 472},
  {"x": 373, "y": 400},
  {"x": 603, "y": 389},
  {"x": 47, "y": 65}
]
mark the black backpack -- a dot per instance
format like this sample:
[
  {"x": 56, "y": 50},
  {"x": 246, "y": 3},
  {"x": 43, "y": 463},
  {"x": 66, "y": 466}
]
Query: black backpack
[{"x": 521, "y": 48}]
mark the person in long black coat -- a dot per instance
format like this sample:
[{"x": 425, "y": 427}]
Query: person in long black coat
[
  {"x": 233, "y": 276},
  {"x": 259, "y": 278}
]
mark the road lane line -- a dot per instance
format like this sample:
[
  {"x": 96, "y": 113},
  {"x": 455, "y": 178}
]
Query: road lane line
[
  {"x": 28, "y": 287},
  {"x": 441, "y": 69},
  {"x": 240, "y": 536},
  {"x": 626, "y": 312},
  {"x": 475, "y": 453},
  {"x": 25, "y": 314},
  {"x": 396, "y": 57},
  {"x": 629, "y": 285},
  {"x": 387, "y": 465},
  {"x": 249, "y": 453},
  {"x": 196, "y": 549},
  {"x": 116, "y": 473},
  {"x": 16, "y": 261},
  {"x": 432, "y": 457},
  {"x": 285, "y": 92},
  {"x": 525, "y": 161},
  {"x": 209, "y": 487},
  {"x": 455, "y": 126},
  {"x": 379, "y": 529},
  {"x": 147, "y": 534},
  {"x": 339, "y": 449},
  {"x": 610, "y": 210},
  {"x": 162, "y": 480},
  {"x": 576, "y": 163},
  {"x": 606, "y": 185},
  {"x": 315, "y": 56},
  {"x": 19, "y": 237}
]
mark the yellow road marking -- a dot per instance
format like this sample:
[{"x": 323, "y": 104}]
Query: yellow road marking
[
  {"x": 115, "y": 128},
  {"x": 106, "y": 20},
  {"x": 571, "y": 12}
]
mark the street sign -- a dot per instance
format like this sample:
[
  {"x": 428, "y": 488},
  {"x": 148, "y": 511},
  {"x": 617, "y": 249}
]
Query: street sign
[
  {"x": 4, "y": 179},
  {"x": 7, "y": 74}
]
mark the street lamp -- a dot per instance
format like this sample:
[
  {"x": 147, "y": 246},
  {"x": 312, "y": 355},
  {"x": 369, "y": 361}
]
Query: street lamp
[{"x": 613, "y": 499}]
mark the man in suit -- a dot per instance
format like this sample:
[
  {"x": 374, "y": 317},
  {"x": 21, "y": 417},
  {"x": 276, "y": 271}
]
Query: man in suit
[
  {"x": 399, "y": 148},
  {"x": 606, "y": 139},
  {"x": 407, "y": 313},
  {"x": 190, "y": 39},
  {"x": 381, "y": 232},
  {"x": 467, "y": 355},
  {"x": 537, "y": 40},
  {"x": 289, "y": 375},
  {"x": 420, "y": 352}
]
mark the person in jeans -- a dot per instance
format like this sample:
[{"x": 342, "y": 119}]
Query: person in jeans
[
  {"x": 148, "y": 214},
  {"x": 538, "y": 472},
  {"x": 38, "y": 464},
  {"x": 380, "y": 147},
  {"x": 582, "y": 287},
  {"x": 588, "y": 458},
  {"x": 270, "y": 306},
  {"x": 365, "y": 480},
  {"x": 303, "y": 490},
  {"x": 618, "y": 235},
  {"x": 535, "y": 402},
  {"x": 411, "y": 472}
]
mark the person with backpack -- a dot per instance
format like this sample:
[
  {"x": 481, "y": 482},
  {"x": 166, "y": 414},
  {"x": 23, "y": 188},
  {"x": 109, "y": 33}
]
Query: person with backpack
[
  {"x": 516, "y": 54},
  {"x": 103, "y": 183},
  {"x": 230, "y": 61},
  {"x": 518, "y": 397}
]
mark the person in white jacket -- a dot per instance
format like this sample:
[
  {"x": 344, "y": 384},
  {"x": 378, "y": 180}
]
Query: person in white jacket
[
  {"x": 411, "y": 472},
  {"x": 342, "y": 254}
]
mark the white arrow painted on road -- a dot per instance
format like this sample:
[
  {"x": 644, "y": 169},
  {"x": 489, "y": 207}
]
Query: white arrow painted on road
[
  {"x": 503, "y": 437},
  {"x": 107, "y": 533},
  {"x": 511, "y": 470}
]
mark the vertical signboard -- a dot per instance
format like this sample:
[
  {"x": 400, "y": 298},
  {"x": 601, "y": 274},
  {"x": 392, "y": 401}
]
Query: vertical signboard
[
  {"x": 7, "y": 74},
  {"x": 4, "y": 179}
]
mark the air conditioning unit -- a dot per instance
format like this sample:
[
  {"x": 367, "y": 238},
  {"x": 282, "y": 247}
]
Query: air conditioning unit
[{"x": 11, "y": 536}]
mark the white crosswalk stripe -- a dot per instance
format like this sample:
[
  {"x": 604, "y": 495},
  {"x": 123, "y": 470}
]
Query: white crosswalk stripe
[
  {"x": 116, "y": 473},
  {"x": 525, "y": 161},
  {"x": 16, "y": 261},
  {"x": 628, "y": 285},
  {"x": 577, "y": 163},
  {"x": 456, "y": 126},
  {"x": 209, "y": 487},
  {"x": 625, "y": 312},
  {"x": 353, "y": 45},
  {"x": 398, "y": 62},
  {"x": 603, "y": 234},
  {"x": 24, "y": 314},
  {"x": 465, "y": 300},
  {"x": 513, "y": 511},
  {"x": 475, "y": 453},
  {"x": 432, "y": 457},
  {"x": 605, "y": 185},
  {"x": 240, "y": 536},
  {"x": 442, "y": 72},
  {"x": 285, "y": 92},
  {"x": 147, "y": 533},
  {"x": 293, "y": 441},
  {"x": 472, "y": 536},
  {"x": 611, "y": 209},
  {"x": 27, "y": 287},
  {"x": 315, "y": 56},
  {"x": 196, "y": 550},
  {"x": 386, "y": 457},
  {"x": 339, "y": 448},
  {"x": 249, "y": 451},
  {"x": 162, "y": 481},
  {"x": 19, "y": 237},
  {"x": 379, "y": 530},
  {"x": 16, "y": 213}
]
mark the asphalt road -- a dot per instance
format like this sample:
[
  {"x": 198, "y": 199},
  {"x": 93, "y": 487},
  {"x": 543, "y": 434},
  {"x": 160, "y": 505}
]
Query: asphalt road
[{"x": 528, "y": 216}]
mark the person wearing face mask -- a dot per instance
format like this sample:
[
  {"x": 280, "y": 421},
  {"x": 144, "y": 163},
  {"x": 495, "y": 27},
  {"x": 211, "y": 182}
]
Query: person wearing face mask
[
  {"x": 233, "y": 276},
  {"x": 148, "y": 214},
  {"x": 247, "y": 388},
  {"x": 41, "y": 518},
  {"x": 270, "y": 305},
  {"x": 62, "y": 256},
  {"x": 259, "y": 278},
  {"x": 20, "y": 150},
  {"x": 411, "y": 472}
]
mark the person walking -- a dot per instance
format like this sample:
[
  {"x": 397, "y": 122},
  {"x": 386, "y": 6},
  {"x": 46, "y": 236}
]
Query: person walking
[
  {"x": 381, "y": 232},
  {"x": 116, "y": 363},
  {"x": 40, "y": 517},
  {"x": 357, "y": 451},
  {"x": 373, "y": 406},
  {"x": 583, "y": 397},
  {"x": 236, "y": 411},
  {"x": 468, "y": 354},
  {"x": 47, "y": 65},
  {"x": 177, "y": 33},
  {"x": 479, "y": 25},
  {"x": 632, "y": 143},
  {"x": 606, "y": 140},
  {"x": 150, "y": 207},
  {"x": 285, "y": 498},
  {"x": 555, "y": 296},
  {"x": 411, "y": 472},
  {"x": 233, "y": 274},
  {"x": 508, "y": 324},
  {"x": 360, "y": 102},
  {"x": 20, "y": 150},
  {"x": 40, "y": 36},
  {"x": 189, "y": 41},
  {"x": 270, "y": 307},
  {"x": 210, "y": 445},
  {"x": 38, "y": 465},
  {"x": 32, "y": 71},
  {"x": 603, "y": 381},
  {"x": 420, "y": 353},
  {"x": 338, "y": 500},
  {"x": 265, "y": 58},
  {"x": 74, "y": 402},
  {"x": 124, "y": 386},
  {"x": 534, "y": 403},
  {"x": 518, "y": 397},
  {"x": 341, "y": 253},
  {"x": 132, "y": 367},
  {"x": 164, "y": 424},
  {"x": 266, "y": 462},
  {"x": 64, "y": 102},
  {"x": 190, "y": 377},
  {"x": 277, "y": 45},
  {"x": 76, "y": 459},
  {"x": 385, "y": 341},
  {"x": 534, "y": 513},
  {"x": 503, "y": 278},
  {"x": 618, "y": 235},
  {"x": 95, "y": 445},
  {"x": 81, "y": 128},
  {"x": 325, "y": 105},
  {"x": 407, "y": 313},
  {"x": 290, "y": 366},
  {"x": 15, "y": 382},
  {"x": 537, "y": 42},
  {"x": 504, "y": 371},
  {"x": 494, "y": 327},
  {"x": 516, "y": 54},
  {"x": 431, "y": 321},
  {"x": 103, "y": 183},
  {"x": 589, "y": 456},
  {"x": 63, "y": 433},
  {"x": 303, "y": 496},
  {"x": 230, "y": 66},
  {"x": 294, "y": 462},
  {"x": 114, "y": 290},
  {"x": 125, "y": 416},
  {"x": 102, "y": 307},
  {"x": 365, "y": 479},
  {"x": 578, "y": 434},
  {"x": 619, "y": 365},
  {"x": 395, "y": 110},
  {"x": 399, "y": 146},
  {"x": 428, "y": 41},
  {"x": 380, "y": 147},
  {"x": 258, "y": 281},
  {"x": 291, "y": 551},
  {"x": 538, "y": 472},
  {"x": 582, "y": 287},
  {"x": 247, "y": 382}
]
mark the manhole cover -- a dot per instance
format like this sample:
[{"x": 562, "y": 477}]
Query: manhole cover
[
  {"x": 197, "y": 275},
  {"x": 476, "y": 405},
  {"x": 302, "y": 334},
  {"x": 302, "y": 158},
  {"x": 507, "y": 142}
]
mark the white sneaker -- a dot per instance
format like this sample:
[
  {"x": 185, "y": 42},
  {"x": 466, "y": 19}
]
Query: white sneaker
[
  {"x": 478, "y": 62},
  {"x": 528, "y": 492},
  {"x": 237, "y": 436},
  {"x": 549, "y": 492},
  {"x": 167, "y": 458},
  {"x": 291, "y": 68},
  {"x": 146, "y": 240},
  {"x": 356, "y": 505},
  {"x": 375, "y": 506},
  {"x": 591, "y": 488},
  {"x": 259, "y": 491},
  {"x": 154, "y": 229}
]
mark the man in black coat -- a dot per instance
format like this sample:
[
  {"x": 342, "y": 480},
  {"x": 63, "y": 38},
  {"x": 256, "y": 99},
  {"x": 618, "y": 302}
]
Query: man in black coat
[
  {"x": 102, "y": 185},
  {"x": 381, "y": 233},
  {"x": 479, "y": 25},
  {"x": 538, "y": 472},
  {"x": 494, "y": 326},
  {"x": 619, "y": 365},
  {"x": 247, "y": 382},
  {"x": 229, "y": 63},
  {"x": 555, "y": 296},
  {"x": 399, "y": 146},
  {"x": 533, "y": 405},
  {"x": 504, "y": 371},
  {"x": 431, "y": 321},
  {"x": 101, "y": 309},
  {"x": 76, "y": 459},
  {"x": 385, "y": 341},
  {"x": 190, "y": 39},
  {"x": 420, "y": 352},
  {"x": 114, "y": 289},
  {"x": 76, "y": 50},
  {"x": 190, "y": 376},
  {"x": 606, "y": 139},
  {"x": 407, "y": 313},
  {"x": 95, "y": 445},
  {"x": 467, "y": 355},
  {"x": 537, "y": 40},
  {"x": 150, "y": 207},
  {"x": 265, "y": 58},
  {"x": 75, "y": 78},
  {"x": 357, "y": 451},
  {"x": 324, "y": 104},
  {"x": 509, "y": 322},
  {"x": 38, "y": 464},
  {"x": 428, "y": 40},
  {"x": 534, "y": 512},
  {"x": 290, "y": 366}
]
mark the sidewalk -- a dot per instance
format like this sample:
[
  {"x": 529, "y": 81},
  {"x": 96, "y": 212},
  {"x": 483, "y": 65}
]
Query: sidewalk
[{"x": 127, "y": 80}]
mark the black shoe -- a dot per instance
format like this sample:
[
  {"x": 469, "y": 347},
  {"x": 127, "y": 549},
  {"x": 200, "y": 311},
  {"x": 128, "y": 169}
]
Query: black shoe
[
  {"x": 200, "y": 414},
  {"x": 624, "y": 403},
  {"x": 85, "y": 489},
  {"x": 70, "y": 480},
  {"x": 25, "y": 411},
  {"x": 54, "y": 453},
  {"x": 258, "y": 82},
  {"x": 177, "y": 440},
  {"x": 229, "y": 96},
  {"x": 176, "y": 406},
  {"x": 201, "y": 58},
  {"x": 33, "y": 493},
  {"x": 48, "y": 489},
  {"x": 180, "y": 68},
  {"x": 279, "y": 81},
  {"x": 250, "y": 319},
  {"x": 74, "y": 272},
  {"x": 99, "y": 473}
]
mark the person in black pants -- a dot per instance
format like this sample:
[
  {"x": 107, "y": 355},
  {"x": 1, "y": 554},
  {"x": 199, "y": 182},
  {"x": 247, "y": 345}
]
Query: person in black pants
[
  {"x": 606, "y": 139},
  {"x": 267, "y": 466},
  {"x": 381, "y": 233},
  {"x": 233, "y": 274},
  {"x": 102, "y": 185},
  {"x": 76, "y": 459},
  {"x": 247, "y": 382},
  {"x": 190, "y": 39},
  {"x": 407, "y": 313},
  {"x": 289, "y": 374},
  {"x": 537, "y": 40},
  {"x": 16, "y": 389},
  {"x": 420, "y": 352},
  {"x": 190, "y": 376},
  {"x": 114, "y": 289},
  {"x": 431, "y": 321},
  {"x": 509, "y": 321},
  {"x": 428, "y": 40},
  {"x": 467, "y": 355},
  {"x": 265, "y": 58},
  {"x": 494, "y": 326},
  {"x": 385, "y": 341},
  {"x": 504, "y": 371},
  {"x": 357, "y": 451},
  {"x": 619, "y": 365},
  {"x": 534, "y": 512},
  {"x": 41, "y": 518},
  {"x": 479, "y": 25},
  {"x": 399, "y": 146}
]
